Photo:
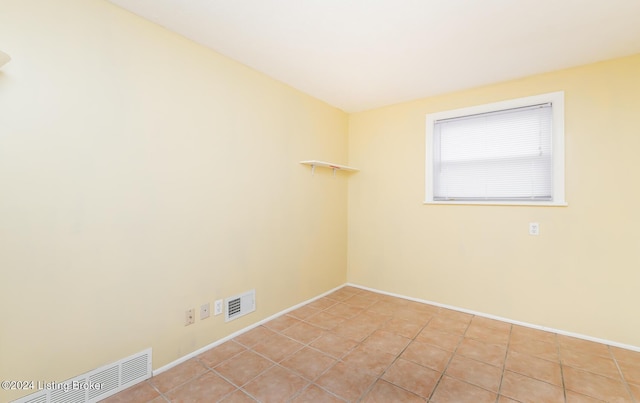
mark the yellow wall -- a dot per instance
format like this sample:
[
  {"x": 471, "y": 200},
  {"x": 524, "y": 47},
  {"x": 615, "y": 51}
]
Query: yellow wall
[
  {"x": 581, "y": 274},
  {"x": 142, "y": 174}
]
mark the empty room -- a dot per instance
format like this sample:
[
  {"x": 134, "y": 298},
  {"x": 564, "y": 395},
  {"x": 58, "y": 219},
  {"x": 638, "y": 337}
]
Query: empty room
[{"x": 319, "y": 201}]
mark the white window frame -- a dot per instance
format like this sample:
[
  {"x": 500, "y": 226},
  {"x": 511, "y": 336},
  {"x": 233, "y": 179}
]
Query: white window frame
[{"x": 557, "y": 101}]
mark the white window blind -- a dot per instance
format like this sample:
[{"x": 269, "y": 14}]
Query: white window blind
[{"x": 504, "y": 155}]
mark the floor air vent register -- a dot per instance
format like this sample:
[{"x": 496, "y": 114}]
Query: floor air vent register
[
  {"x": 94, "y": 385},
  {"x": 120, "y": 375}
]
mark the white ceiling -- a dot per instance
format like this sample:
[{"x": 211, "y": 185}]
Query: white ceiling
[{"x": 363, "y": 54}]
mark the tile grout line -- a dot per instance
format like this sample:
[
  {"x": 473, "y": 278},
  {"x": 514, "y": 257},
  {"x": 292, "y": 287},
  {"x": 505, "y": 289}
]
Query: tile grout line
[
  {"x": 157, "y": 390},
  {"x": 379, "y": 377},
  {"x": 397, "y": 357},
  {"x": 339, "y": 360},
  {"x": 370, "y": 387},
  {"x": 308, "y": 345},
  {"x": 463, "y": 336},
  {"x": 624, "y": 380},
  {"x": 504, "y": 365},
  {"x": 450, "y": 358},
  {"x": 360, "y": 342},
  {"x": 278, "y": 364},
  {"x": 407, "y": 346},
  {"x": 592, "y": 372},
  {"x": 240, "y": 387},
  {"x": 164, "y": 395},
  {"x": 561, "y": 363}
]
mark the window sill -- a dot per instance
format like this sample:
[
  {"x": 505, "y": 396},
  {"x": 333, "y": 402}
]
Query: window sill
[{"x": 497, "y": 203}]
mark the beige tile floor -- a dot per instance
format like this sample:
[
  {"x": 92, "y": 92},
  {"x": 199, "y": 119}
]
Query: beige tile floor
[{"x": 355, "y": 345}]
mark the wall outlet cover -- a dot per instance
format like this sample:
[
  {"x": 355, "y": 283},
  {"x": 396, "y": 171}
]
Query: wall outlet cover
[
  {"x": 534, "y": 228},
  {"x": 189, "y": 317},
  {"x": 217, "y": 307},
  {"x": 205, "y": 310}
]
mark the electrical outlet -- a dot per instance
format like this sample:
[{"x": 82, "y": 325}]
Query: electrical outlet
[
  {"x": 534, "y": 228},
  {"x": 218, "y": 307},
  {"x": 204, "y": 311},
  {"x": 190, "y": 317}
]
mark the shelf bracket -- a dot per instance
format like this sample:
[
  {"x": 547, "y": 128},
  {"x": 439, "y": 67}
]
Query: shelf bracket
[{"x": 330, "y": 165}]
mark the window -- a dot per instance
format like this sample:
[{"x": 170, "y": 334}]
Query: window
[{"x": 508, "y": 152}]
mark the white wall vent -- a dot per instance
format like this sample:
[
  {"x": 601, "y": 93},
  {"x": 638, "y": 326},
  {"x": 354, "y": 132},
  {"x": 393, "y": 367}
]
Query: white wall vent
[
  {"x": 94, "y": 385},
  {"x": 38, "y": 397},
  {"x": 240, "y": 305}
]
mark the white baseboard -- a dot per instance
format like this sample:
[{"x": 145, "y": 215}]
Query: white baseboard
[
  {"x": 423, "y": 301},
  {"x": 239, "y": 332},
  {"x": 515, "y": 322}
]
